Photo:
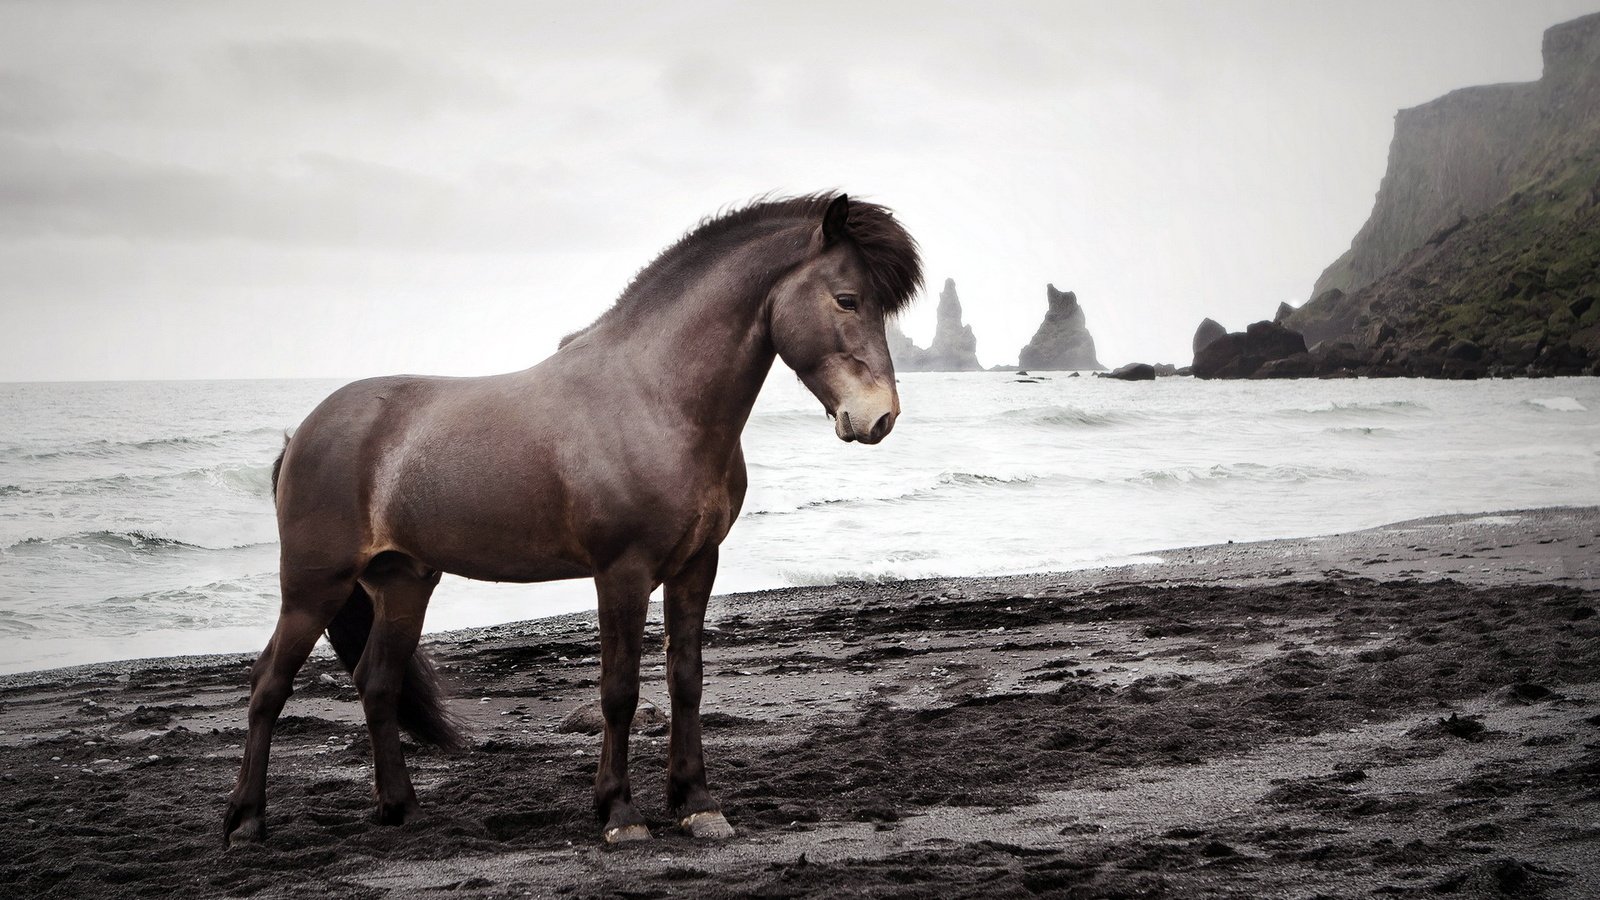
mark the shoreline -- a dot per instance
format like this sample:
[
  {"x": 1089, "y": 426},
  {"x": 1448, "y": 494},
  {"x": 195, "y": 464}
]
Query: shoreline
[
  {"x": 1300, "y": 556},
  {"x": 1412, "y": 709}
]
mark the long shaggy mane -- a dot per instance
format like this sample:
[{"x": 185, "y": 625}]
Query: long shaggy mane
[{"x": 887, "y": 250}]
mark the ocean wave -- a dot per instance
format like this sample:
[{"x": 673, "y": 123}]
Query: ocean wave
[
  {"x": 1557, "y": 404},
  {"x": 134, "y": 541},
  {"x": 790, "y": 417},
  {"x": 102, "y": 448},
  {"x": 1382, "y": 408},
  {"x": 944, "y": 482},
  {"x": 1068, "y": 417},
  {"x": 1179, "y": 476},
  {"x": 141, "y": 541},
  {"x": 1359, "y": 430},
  {"x": 253, "y": 481}
]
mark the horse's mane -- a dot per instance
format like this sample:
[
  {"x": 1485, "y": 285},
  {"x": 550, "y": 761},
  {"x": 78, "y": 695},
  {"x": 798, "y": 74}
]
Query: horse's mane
[{"x": 887, "y": 250}]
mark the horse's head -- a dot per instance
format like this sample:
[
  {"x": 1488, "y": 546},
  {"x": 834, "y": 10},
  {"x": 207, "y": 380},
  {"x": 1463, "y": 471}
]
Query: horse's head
[{"x": 828, "y": 316}]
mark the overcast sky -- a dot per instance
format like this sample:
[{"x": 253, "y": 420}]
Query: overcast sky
[{"x": 207, "y": 189}]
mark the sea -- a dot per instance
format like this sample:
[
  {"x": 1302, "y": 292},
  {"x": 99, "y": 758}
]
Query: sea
[{"x": 136, "y": 518}]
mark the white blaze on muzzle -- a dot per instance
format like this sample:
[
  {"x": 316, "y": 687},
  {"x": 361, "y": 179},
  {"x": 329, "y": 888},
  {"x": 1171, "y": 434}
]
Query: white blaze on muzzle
[{"x": 866, "y": 416}]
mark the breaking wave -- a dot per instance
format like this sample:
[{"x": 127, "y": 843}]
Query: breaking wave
[
  {"x": 1339, "y": 410},
  {"x": 1180, "y": 476},
  {"x": 103, "y": 449},
  {"x": 1069, "y": 417},
  {"x": 132, "y": 541},
  {"x": 1557, "y": 404}
]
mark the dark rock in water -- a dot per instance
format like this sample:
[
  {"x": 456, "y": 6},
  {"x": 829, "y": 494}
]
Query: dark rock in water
[
  {"x": 1330, "y": 359},
  {"x": 1133, "y": 372},
  {"x": 954, "y": 347},
  {"x": 1283, "y": 313},
  {"x": 1185, "y": 371},
  {"x": 1464, "y": 350},
  {"x": 1223, "y": 358},
  {"x": 1063, "y": 340},
  {"x": 1274, "y": 341},
  {"x": 1239, "y": 355},
  {"x": 1164, "y": 370},
  {"x": 1209, "y": 330},
  {"x": 1296, "y": 366}
]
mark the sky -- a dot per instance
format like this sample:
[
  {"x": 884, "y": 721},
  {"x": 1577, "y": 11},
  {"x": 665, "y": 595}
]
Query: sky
[{"x": 227, "y": 190}]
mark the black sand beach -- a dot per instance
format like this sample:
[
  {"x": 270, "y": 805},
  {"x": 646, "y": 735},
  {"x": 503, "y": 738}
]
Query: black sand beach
[{"x": 1412, "y": 710}]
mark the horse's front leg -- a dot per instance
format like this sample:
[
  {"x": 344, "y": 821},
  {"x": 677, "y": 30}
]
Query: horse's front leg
[
  {"x": 698, "y": 812},
  {"x": 624, "y": 591}
]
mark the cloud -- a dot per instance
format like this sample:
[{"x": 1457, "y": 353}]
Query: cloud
[
  {"x": 316, "y": 200},
  {"x": 245, "y": 83},
  {"x": 353, "y": 75}
]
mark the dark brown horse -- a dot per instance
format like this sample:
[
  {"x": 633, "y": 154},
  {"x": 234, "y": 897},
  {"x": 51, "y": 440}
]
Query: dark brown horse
[{"x": 616, "y": 459}]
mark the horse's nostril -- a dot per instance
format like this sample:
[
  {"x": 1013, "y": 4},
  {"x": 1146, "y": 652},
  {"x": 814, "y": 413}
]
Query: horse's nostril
[{"x": 882, "y": 426}]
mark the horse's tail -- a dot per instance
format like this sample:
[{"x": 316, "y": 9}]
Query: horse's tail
[
  {"x": 277, "y": 467},
  {"x": 421, "y": 707}
]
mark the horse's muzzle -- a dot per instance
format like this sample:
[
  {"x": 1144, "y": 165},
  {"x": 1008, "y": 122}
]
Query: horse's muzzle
[{"x": 849, "y": 428}]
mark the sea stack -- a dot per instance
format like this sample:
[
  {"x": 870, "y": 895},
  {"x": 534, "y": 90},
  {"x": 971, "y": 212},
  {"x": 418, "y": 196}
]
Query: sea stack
[
  {"x": 954, "y": 348},
  {"x": 1063, "y": 340}
]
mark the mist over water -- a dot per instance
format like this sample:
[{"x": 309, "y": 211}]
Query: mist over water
[{"x": 136, "y": 517}]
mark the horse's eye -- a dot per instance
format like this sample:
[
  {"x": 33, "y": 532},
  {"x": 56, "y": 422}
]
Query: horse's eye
[{"x": 846, "y": 301}]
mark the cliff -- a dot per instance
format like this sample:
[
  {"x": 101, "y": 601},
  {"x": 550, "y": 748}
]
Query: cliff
[
  {"x": 954, "y": 347},
  {"x": 1063, "y": 340},
  {"x": 1482, "y": 229},
  {"x": 1459, "y": 155}
]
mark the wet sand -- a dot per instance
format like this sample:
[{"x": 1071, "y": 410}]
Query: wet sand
[{"x": 1412, "y": 710}]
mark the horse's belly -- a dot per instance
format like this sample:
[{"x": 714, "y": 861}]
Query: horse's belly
[{"x": 520, "y": 570}]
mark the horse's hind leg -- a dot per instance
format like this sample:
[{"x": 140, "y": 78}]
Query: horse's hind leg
[
  {"x": 698, "y": 812},
  {"x": 624, "y": 591},
  {"x": 400, "y": 588},
  {"x": 309, "y": 603}
]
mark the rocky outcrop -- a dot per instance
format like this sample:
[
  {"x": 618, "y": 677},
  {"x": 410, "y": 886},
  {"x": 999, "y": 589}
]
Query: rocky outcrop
[
  {"x": 1241, "y": 354},
  {"x": 1283, "y": 313},
  {"x": 1063, "y": 340},
  {"x": 1133, "y": 372},
  {"x": 954, "y": 347},
  {"x": 1209, "y": 330},
  {"x": 1483, "y": 229}
]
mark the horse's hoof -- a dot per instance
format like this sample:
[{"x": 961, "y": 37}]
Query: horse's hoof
[
  {"x": 249, "y": 831},
  {"x": 623, "y": 834},
  {"x": 243, "y": 825},
  {"x": 394, "y": 813},
  {"x": 706, "y": 825}
]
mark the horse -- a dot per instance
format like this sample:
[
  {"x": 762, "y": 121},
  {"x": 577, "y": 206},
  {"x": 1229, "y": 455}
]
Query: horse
[{"x": 617, "y": 458}]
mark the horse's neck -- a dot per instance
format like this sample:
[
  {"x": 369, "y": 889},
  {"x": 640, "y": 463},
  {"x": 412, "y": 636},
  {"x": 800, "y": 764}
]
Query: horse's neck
[{"x": 704, "y": 354}]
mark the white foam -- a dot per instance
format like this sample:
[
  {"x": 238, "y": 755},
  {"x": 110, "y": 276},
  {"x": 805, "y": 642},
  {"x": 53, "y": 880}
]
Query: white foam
[
  {"x": 1559, "y": 404},
  {"x": 1495, "y": 520}
]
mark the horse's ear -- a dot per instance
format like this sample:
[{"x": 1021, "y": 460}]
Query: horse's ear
[{"x": 834, "y": 219}]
